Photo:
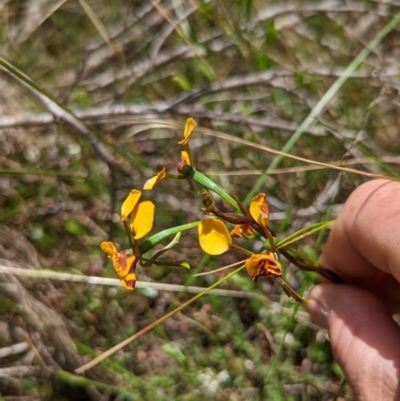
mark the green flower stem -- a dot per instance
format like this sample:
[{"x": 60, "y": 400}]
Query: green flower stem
[
  {"x": 206, "y": 182},
  {"x": 155, "y": 239},
  {"x": 174, "y": 176},
  {"x": 129, "y": 234},
  {"x": 241, "y": 250}
]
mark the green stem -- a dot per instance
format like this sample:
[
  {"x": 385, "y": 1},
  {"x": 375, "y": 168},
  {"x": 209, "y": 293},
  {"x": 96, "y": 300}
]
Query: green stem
[
  {"x": 241, "y": 250},
  {"x": 155, "y": 239},
  {"x": 129, "y": 234},
  {"x": 174, "y": 176}
]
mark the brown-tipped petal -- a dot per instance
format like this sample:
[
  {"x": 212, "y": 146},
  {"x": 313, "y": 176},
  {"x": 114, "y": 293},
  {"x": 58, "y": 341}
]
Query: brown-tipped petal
[
  {"x": 129, "y": 282},
  {"x": 242, "y": 231},
  {"x": 263, "y": 265},
  {"x": 124, "y": 264},
  {"x": 259, "y": 210}
]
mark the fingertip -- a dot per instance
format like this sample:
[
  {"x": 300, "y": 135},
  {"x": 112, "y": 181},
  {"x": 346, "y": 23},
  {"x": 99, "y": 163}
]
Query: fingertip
[
  {"x": 364, "y": 338},
  {"x": 365, "y": 238},
  {"x": 316, "y": 310}
]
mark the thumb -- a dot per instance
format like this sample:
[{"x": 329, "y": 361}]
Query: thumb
[{"x": 365, "y": 339}]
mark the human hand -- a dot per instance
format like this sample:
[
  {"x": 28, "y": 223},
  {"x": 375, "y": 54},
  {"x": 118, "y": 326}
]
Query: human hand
[{"x": 363, "y": 248}]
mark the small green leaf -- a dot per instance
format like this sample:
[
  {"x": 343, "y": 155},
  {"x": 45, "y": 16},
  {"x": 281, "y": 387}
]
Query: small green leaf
[{"x": 184, "y": 264}]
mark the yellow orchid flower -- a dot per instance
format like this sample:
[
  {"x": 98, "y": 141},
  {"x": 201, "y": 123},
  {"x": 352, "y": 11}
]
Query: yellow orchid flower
[
  {"x": 189, "y": 127},
  {"x": 142, "y": 214},
  {"x": 263, "y": 265},
  {"x": 141, "y": 222},
  {"x": 259, "y": 210},
  {"x": 124, "y": 264},
  {"x": 214, "y": 237},
  {"x": 242, "y": 231},
  {"x": 153, "y": 181}
]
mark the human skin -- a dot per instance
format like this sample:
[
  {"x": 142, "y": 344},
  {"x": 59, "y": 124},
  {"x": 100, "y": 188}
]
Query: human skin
[{"x": 363, "y": 248}]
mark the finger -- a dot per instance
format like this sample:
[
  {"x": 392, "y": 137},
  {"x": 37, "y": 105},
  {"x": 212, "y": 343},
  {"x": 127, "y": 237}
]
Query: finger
[
  {"x": 365, "y": 340},
  {"x": 365, "y": 239}
]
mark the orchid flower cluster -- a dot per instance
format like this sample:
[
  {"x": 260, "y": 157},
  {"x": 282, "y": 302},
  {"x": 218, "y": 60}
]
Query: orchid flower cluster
[{"x": 214, "y": 237}]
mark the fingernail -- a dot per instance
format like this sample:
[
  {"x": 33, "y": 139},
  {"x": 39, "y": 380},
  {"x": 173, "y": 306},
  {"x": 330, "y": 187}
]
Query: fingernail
[{"x": 318, "y": 313}]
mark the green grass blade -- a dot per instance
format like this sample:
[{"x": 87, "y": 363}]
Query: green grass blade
[{"x": 303, "y": 233}]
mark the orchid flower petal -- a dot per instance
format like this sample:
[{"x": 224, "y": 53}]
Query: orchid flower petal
[
  {"x": 124, "y": 264},
  {"x": 242, "y": 231},
  {"x": 109, "y": 248},
  {"x": 129, "y": 203},
  {"x": 129, "y": 282},
  {"x": 263, "y": 265},
  {"x": 185, "y": 158},
  {"x": 142, "y": 219},
  {"x": 189, "y": 127},
  {"x": 214, "y": 237},
  {"x": 259, "y": 210},
  {"x": 153, "y": 181}
]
